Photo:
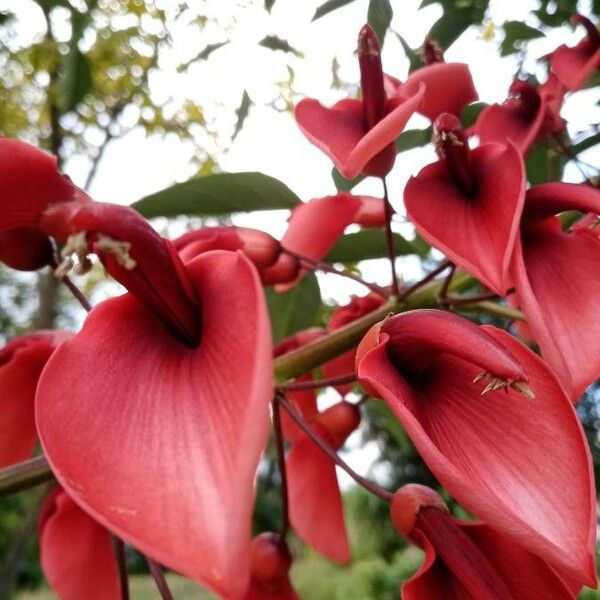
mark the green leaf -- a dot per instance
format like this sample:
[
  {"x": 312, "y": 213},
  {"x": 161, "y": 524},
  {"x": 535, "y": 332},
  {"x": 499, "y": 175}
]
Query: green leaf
[
  {"x": 456, "y": 18},
  {"x": 328, "y": 7},
  {"x": 544, "y": 164},
  {"x": 587, "y": 143},
  {"x": 295, "y": 309},
  {"x": 379, "y": 17},
  {"x": 471, "y": 112},
  {"x": 413, "y": 138},
  {"x": 5, "y": 17},
  {"x": 242, "y": 113},
  {"x": 75, "y": 81},
  {"x": 269, "y": 5},
  {"x": 209, "y": 49},
  {"x": 342, "y": 184},
  {"x": 218, "y": 194},
  {"x": 272, "y": 42},
  {"x": 414, "y": 56},
  {"x": 516, "y": 32},
  {"x": 366, "y": 244}
]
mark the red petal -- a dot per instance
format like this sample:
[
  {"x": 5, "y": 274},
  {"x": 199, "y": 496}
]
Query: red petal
[
  {"x": 76, "y": 553},
  {"x": 315, "y": 502},
  {"x": 25, "y": 248},
  {"x": 29, "y": 182},
  {"x": 573, "y": 66},
  {"x": 556, "y": 277},
  {"x": 163, "y": 441},
  {"x": 283, "y": 591},
  {"x": 448, "y": 88},
  {"x": 21, "y": 363},
  {"x": 504, "y": 122},
  {"x": 551, "y": 198},
  {"x": 491, "y": 452},
  {"x": 477, "y": 233},
  {"x": 340, "y": 132},
  {"x": 527, "y": 576}
]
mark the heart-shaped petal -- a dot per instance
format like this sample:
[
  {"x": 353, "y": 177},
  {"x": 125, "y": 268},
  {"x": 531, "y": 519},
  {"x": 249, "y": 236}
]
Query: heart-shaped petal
[
  {"x": 160, "y": 442},
  {"x": 476, "y": 232}
]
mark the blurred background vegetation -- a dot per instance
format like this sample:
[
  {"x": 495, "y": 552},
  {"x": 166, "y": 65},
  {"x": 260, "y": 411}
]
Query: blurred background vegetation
[{"x": 76, "y": 75}]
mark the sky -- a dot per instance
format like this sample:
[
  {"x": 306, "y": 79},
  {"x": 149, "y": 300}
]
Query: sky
[{"x": 270, "y": 142}]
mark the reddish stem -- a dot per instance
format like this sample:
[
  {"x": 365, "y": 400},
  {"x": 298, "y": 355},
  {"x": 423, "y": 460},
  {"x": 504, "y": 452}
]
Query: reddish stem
[
  {"x": 389, "y": 238},
  {"x": 285, "y": 519},
  {"x": 159, "y": 579},
  {"x": 303, "y": 424},
  {"x": 119, "y": 549},
  {"x": 415, "y": 286}
]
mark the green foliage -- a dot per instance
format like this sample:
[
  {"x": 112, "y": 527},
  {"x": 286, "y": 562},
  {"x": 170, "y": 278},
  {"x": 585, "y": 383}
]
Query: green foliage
[
  {"x": 456, "y": 18},
  {"x": 366, "y": 244},
  {"x": 342, "y": 184},
  {"x": 544, "y": 163},
  {"x": 379, "y": 17},
  {"x": 515, "y": 33},
  {"x": 414, "y": 56},
  {"x": 218, "y": 194},
  {"x": 328, "y": 7},
  {"x": 272, "y": 42},
  {"x": 295, "y": 309},
  {"x": 471, "y": 112},
  {"x": 413, "y": 138},
  {"x": 242, "y": 113}
]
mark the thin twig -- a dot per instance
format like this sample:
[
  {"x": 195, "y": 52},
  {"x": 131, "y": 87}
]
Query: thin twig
[
  {"x": 389, "y": 238},
  {"x": 316, "y": 383},
  {"x": 159, "y": 579},
  {"x": 77, "y": 293},
  {"x": 317, "y": 265},
  {"x": 424, "y": 280},
  {"x": 443, "y": 295},
  {"x": 119, "y": 549},
  {"x": 302, "y": 423},
  {"x": 285, "y": 519}
]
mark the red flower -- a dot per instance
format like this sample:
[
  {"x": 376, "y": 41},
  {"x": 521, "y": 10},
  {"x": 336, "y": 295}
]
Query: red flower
[
  {"x": 315, "y": 226},
  {"x": 556, "y": 276},
  {"x": 528, "y": 115},
  {"x": 29, "y": 183},
  {"x": 270, "y": 563},
  {"x": 164, "y": 437},
  {"x": 261, "y": 248},
  {"x": 76, "y": 553},
  {"x": 448, "y": 86},
  {"x": 490, "y": 450},
  {"x": 466, "y": 560},
  {"x": 21, "y": 362},
  {"x": 359, "y": 135},
  {"x": 468, "y": 204},
  {"x": 573, "y": 66}
]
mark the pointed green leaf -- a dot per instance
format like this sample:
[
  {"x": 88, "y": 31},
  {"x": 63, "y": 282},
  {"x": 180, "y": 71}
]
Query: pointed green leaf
[
  {"x": 342, "y": 184},
  {"x": 379, "y": 17},
  {"x": 328, "y": 7},
  {"x": 414, "y": 56},
  {"x": 269, "y": 5},
  {"x": 515, "y": 33},
  {"x": 272, "y": 42},
  {"x": 218, "y": 194},
  {"x": 413, "y": 138},
  {"x": 242, "y": 113},
  {"x": 295, "y": 309}
]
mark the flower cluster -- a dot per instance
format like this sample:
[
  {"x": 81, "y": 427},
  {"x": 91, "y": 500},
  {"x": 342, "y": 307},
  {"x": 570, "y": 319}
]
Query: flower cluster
[{"x": 155, "y": 415}]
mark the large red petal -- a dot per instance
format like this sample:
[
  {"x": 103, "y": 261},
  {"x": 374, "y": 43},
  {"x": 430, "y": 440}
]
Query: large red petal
[
  {"x": 556, "y": 275},
  {"x": 282, "y": 591},
  {"x": 573, "y": 66},
  {"x": 382, "y": 135},
  {"x": 29, "y": 182},
  {"x": 21, "y": 362},
  {"x": 316, "y": 510},
  {"x": 491, "y": 452},
  {"x": 478, "y": 232},
  {"x": 163, "y": 441},
  {"x": 76, "y": 552},
  {"x": 448, "y": 88},
  {"x": 336, "y": 130},
  {"x": 549, "y": 199}
]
